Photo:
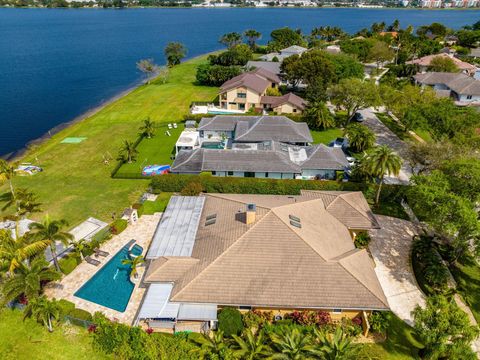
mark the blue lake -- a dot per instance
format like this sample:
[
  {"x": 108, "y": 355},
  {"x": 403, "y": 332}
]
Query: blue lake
[{"x": 55, "y": 64}]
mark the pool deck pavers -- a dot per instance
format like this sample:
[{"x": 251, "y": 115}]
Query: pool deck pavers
[{"x": 142, "y": 232}]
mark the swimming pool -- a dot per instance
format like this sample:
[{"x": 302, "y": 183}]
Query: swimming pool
[{"x": 111, "y": 286}]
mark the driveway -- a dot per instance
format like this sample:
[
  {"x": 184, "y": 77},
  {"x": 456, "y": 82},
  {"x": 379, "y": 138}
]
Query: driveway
[
  {"x": 390, "y": 247},
  {"x": 387, "y": 137}
]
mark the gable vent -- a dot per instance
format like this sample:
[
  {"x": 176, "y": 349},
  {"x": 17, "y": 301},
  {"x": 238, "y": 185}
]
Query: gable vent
[
  {"x": 296, "y": 224},
  {"x": 294, "y": 218},
  {"x": 211, "y": 219}
]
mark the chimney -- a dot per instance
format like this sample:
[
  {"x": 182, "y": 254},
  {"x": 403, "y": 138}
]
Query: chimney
[{"x": 250, "y": 214}]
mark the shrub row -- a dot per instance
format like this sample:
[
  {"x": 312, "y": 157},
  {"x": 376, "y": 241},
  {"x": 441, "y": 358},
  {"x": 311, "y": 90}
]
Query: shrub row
[
  {"x": 239, "y": 185},
  {"x": 68, "y": 308},
  {"x": 118, "y": 225},
  {"x": 68, "y": 263}
]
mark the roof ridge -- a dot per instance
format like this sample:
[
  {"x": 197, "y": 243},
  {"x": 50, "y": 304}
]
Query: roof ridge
[
  {"x": 222, "y": 254},
  {"x": 219, "y": 196},
  {"x": 361, "y": 282},
  {"x": 190, "y": 157},
  {"x": 259, "y": 118},
  {"x": 341, "y": 197}
]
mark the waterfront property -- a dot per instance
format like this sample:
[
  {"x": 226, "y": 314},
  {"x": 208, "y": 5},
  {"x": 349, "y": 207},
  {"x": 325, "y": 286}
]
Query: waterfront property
[
  {"x": 424, "y": 63},
  {"x": 462, "y": 88},
  {"x": 259, "y": 146},
  {"x": 264, "y": 252},
  {"x": 250, "y": 90},
  {"x": 284, "y": 53}
]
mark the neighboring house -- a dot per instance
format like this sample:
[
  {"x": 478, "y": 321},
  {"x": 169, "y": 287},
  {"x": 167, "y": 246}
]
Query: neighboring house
[
  {"x": 259, "y": 252},
  {"x": 246, "y": 91},
  {"x": 271, "y": 66},
  {"x": 284, "y": 53},
  {"x": 333, "y": 49},
  {"x": 424, "y": 63},
  {"x": 462, "y": 88},
  {"x": 188, "y": 140},
  {"x": 286, "y": 104},
  {"x": 259, "y": 146}
]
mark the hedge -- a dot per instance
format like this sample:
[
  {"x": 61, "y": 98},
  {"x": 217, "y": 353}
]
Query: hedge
[
  {"x": 118, "y": 226},
  {"x": 68, "y": 263},
  {"x": 230, "y": 321},
  {"x": 140, "y": 209},
  {"x": 239, "y": 185}
]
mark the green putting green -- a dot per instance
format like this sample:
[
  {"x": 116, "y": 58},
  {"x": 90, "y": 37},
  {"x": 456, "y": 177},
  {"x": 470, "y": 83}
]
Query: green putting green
[{"x": 72, "y": 140}]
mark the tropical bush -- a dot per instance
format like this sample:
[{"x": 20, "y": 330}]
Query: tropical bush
[
  {"x": 230, "y": 321},
  {"x": 379, "y": 321},
  {"x": 362, "y": 240},
  {"x": 65, "y": 307},
  {"x": 192, "y": 189},
  {"x": 80, "y": 314},
  {"x": 118, "y": 226},
  {"x": 68, "y": 263},
  {"x": 318, "y": 318},
  {"x": 102, "y": 236}
]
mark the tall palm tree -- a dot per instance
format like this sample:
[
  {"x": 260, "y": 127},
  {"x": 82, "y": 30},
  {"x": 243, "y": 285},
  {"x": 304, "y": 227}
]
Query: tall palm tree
[
  {"x": 360, "y": 137},
  {"x": 27, "y": 280},
  {"x": 210, "y": 345},
  {"x": 382, "y": 161},
  {"x": 318, "y": 116},
  {"x": 7, "y": 173},
  {"x": 334, "y": 346},
  {"x": 148, "y": 128},
  {"x": 128, "y": 151},
  {"x": 251, "y": 346},
  {"x": 51, "y": 232},
  {"x": 14, "y": 252},
  {"x": 43, "y": 311},
  {"x": 134, "y": 264},
  {"x": 252, "y": 36},
  {"x": 24, "y": 201},
  {"x": 291, "y": 344},
  {"x": 231, "y": 39}
]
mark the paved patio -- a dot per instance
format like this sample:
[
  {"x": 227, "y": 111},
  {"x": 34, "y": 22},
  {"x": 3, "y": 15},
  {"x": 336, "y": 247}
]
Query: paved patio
[
  {"x": 142, "y": 232},
  {"x": 390, "y": 248}
]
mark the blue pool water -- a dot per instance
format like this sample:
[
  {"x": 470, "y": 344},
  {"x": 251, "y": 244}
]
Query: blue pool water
[{"x": 111, "y": 286}]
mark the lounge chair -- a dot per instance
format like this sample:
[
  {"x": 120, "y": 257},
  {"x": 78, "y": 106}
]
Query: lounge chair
[
  {"x": 99, "y": 252},
  {"x": 91, "y": 261},
  {"x": 174, "y": 125}
]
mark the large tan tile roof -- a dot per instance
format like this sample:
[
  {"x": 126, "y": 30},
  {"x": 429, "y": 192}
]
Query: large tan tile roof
[{"x": 272, "y": 263}]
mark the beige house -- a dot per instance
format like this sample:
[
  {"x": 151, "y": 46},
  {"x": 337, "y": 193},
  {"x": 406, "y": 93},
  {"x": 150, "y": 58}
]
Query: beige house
[
  {"x": 423, "y": 63},
  {"x": 274, "y": 253},
  {"x": 247, "y": 91}
]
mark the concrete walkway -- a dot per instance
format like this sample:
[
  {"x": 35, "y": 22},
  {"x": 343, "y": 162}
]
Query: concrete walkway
[{"x": 391, "y": 248}]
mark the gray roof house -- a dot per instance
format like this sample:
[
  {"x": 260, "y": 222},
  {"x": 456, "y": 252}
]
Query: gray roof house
[
  {"x": 462, "y": 88},
  {"x": 263, "y": 252},
  {"x": 272, "y": 66},
  {"x": 256, "y": 129},
  {"x": 284, "y": 53}
]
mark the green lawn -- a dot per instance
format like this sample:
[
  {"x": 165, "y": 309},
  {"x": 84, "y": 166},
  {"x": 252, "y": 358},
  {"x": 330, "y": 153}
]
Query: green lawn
[
  {"x": 159, "y": 205},
  {"x": 75, "y": 183},
  {"x": 467, "y": 276},
  {"x": 400, "y": 344},
  {"x": 28, "y": 340},
  {"x": 326, "y": 136}
]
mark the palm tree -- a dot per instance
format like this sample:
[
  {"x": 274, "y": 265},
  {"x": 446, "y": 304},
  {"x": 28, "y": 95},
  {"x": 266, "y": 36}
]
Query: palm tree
[
  {"x": 7, "y": 173},
  {"x": 210, "y": 345},
  {"x": 79, "y": 246},
  {"x": 134, "y": 264},
  {"x": 128, "y": 151},
  {"x": 291, "y": 344},
  {"x": 252, "y": 36},
  {"x": 318, "y": 116},
  {"x": 148, "y": 128},
  {"x": 360, "y": 137},
  {"x": 382, "y": 161},
  {"x": 231, "y": 39},
  {"x": 27, "y": 280},
  {"x": 334, "y": 346},
  {"x": 250, "y": 346},
  {"x": 51, "y": 232},
  {"x": 14, "y": 252},
  {"x": 43, "y": 311},
  {"x": 25, "y": 203}
]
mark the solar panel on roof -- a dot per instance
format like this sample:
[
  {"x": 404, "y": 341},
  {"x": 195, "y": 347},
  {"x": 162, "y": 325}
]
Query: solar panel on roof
[
  {"x": 294, "y": 218},
  {"x": 296, "y": 224}
]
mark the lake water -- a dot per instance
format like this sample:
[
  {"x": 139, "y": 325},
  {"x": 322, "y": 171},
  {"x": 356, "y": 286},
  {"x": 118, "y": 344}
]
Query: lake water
[{"x": 55, "y": 64}]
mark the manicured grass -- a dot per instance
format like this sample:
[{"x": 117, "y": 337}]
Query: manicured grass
[
  {"x": 467, "y": 276},
  {"x": 326, "y": 136},
  {"x": 159, "y": 205},
  {"x": 400, "y": 344},
  {"x": 75, "y": 183},
  {"x": 29, "y": 340}
]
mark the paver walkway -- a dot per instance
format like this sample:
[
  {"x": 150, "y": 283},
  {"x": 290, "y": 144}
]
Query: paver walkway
[
  {"x": 390, "y": 247},
  {"x": 385, "y": 136},
  {"x": 142, "y": 232}
]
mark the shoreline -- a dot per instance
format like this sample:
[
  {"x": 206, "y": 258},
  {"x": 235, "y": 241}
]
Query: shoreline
[
  {"x": 17, "y": 155},
  {"x": 242, "y": 7}
]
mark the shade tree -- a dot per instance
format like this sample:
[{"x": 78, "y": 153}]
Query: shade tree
[{"x": 174, "y": 53}]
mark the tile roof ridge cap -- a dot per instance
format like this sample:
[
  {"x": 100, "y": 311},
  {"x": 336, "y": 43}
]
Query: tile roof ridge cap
[
  {"x": 191, "y": 155},
  {"x": 258, "y": 118},
  {"x": 220, "y": 196},
  {"x": 222, "y": 254},
  {"x": 340, "y": 196},
  {"x": 361, "y": 282}
]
